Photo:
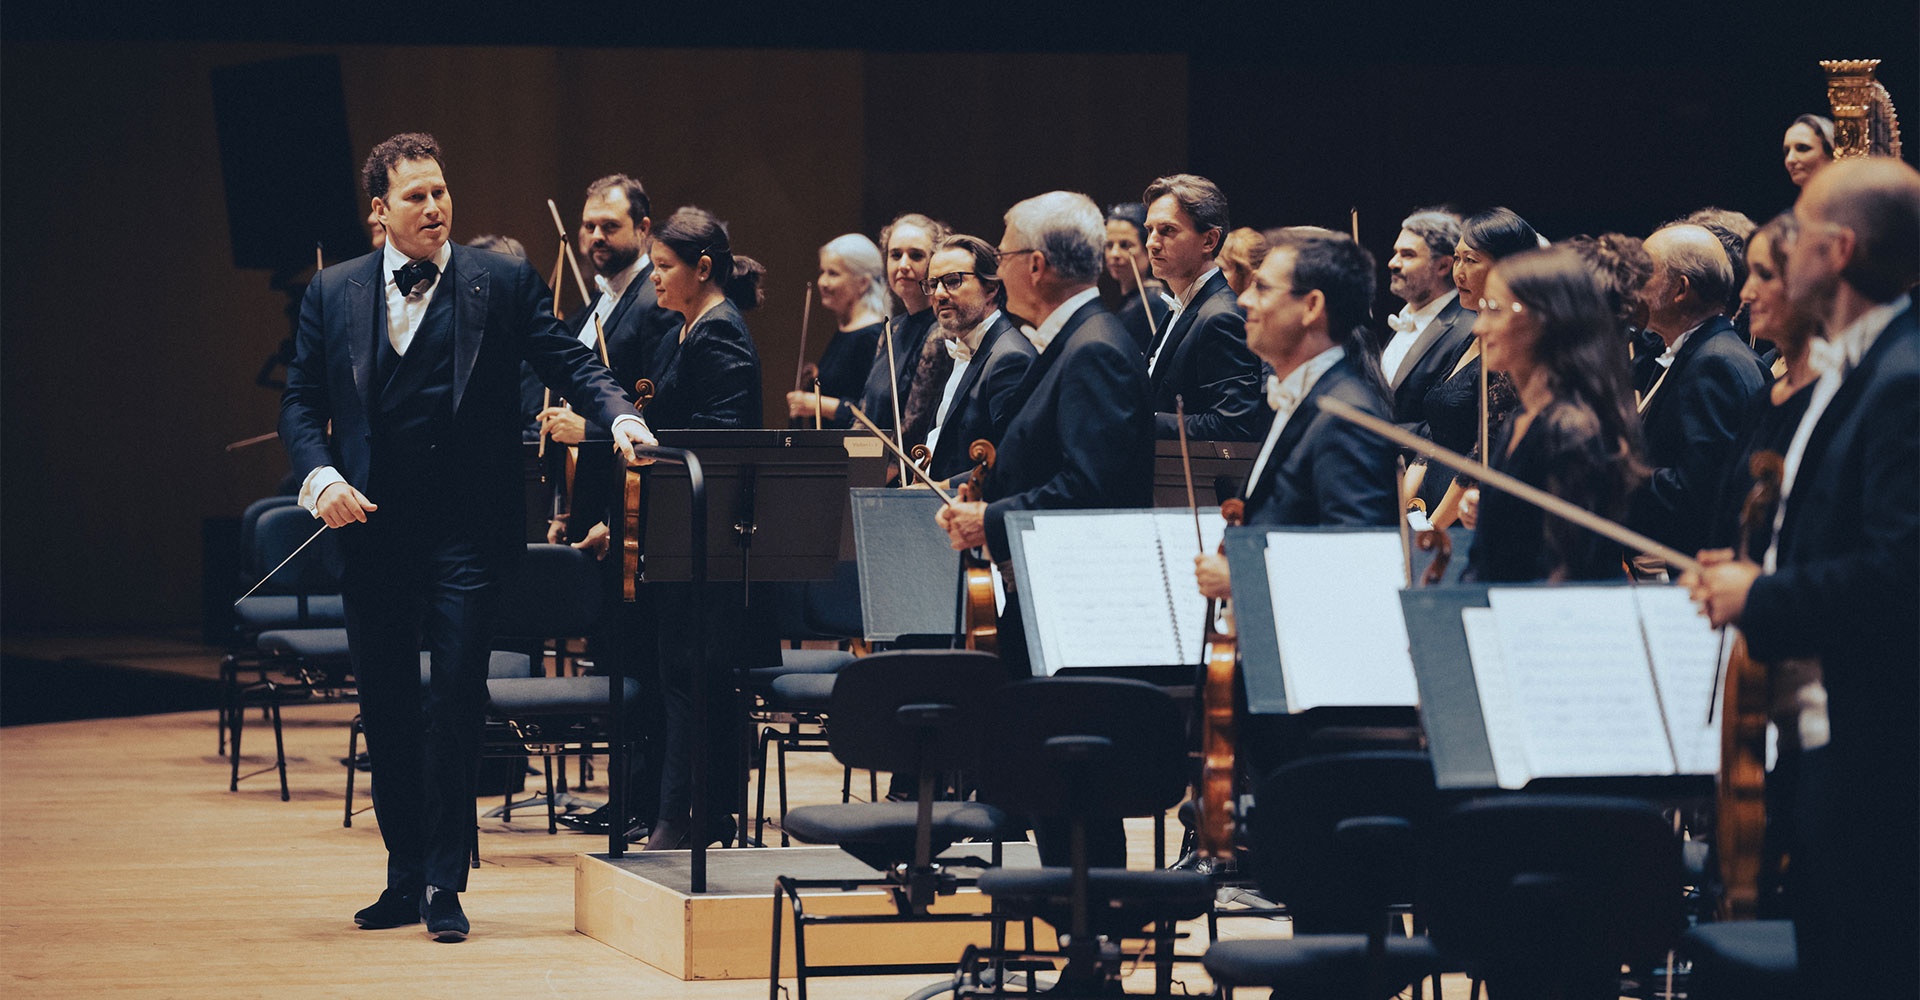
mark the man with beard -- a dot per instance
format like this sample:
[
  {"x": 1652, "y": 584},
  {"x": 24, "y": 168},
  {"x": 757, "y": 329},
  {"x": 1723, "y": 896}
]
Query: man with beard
[{"x": 990, "y": 357}]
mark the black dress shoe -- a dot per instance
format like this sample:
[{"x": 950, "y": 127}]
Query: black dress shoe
[
  {"x": 587, "y": 822},
  {"x": 394, "y": 908},
  {"x": 445, "y": 920}
]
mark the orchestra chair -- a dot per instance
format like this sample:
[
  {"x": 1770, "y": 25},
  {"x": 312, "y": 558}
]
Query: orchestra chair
[
  {"x": 1742, "y": 960},
  {"x": 791, "y": 716},
  {"x": 921, "y": 712},
  {"x": 289, "y": 663},
  {"x": 558, "y": 595},
  {"x": 276, "y": 605},
  {"x": 1081, "y": 750},
  {"x": 1547, "y": 895},
  {"x": 1334, "y": 838}
]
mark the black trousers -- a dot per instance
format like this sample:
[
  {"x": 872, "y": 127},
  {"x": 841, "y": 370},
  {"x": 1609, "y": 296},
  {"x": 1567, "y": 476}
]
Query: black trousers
[
  {"x": 420, "y": 575},
  {"x": 1854, "y": 873}
]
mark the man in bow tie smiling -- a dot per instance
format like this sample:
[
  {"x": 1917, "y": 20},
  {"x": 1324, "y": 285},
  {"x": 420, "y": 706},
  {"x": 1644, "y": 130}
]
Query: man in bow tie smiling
[
  {"x": 1434, "y": 328},
  {"x": 990, "y": 358},
  {"x": 403, "y": 409},
  {"x": 1306, "y": 315}
]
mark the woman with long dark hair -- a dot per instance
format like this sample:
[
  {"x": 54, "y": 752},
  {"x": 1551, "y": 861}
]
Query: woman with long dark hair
[{"x": 1546, "y": 322}]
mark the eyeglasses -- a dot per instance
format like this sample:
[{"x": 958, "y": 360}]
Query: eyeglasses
[
  {"x": 1000, "y": 255},
  {"x": 1495, "y": 305},
  {"x": 951, "y": 281}
]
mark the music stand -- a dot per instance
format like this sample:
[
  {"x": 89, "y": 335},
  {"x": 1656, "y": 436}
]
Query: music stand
[
  {"x": 777, "y": 500},
  {"x": 908, "y": 571}
]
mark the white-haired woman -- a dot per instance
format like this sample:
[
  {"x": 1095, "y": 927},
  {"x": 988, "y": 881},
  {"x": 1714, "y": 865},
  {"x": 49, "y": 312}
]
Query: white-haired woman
[{"x": 853, "y": 287}]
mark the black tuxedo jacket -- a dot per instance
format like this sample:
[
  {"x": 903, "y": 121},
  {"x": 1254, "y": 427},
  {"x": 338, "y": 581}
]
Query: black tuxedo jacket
[
  {"x": 1082, "y": 437},
  {"x": 1327, "y": 471},
  {"x": 984, "y": 401},
  {"x": 1849, "y": 559},
  {"x": 1207, "y": 361},
  {"x": 1690, "y": 427},
  {"x": 1432, "y": 357},
  {"x": 502, "y": 315},
  {"x": 634, "y": 329}
]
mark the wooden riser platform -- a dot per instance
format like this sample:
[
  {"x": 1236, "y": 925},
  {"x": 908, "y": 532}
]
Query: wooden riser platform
[{"x": 641, "y": 904}]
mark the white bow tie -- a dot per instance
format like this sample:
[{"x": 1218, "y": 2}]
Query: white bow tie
[
  {"x": 600, "y": 281},
  {"x": 958, "y": 350},
  {"x": 1402, "y": 323},
  {"x": 1278, "y": 397}
]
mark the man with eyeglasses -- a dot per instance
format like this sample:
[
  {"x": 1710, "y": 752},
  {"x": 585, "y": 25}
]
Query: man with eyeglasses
[
  {"x": 990, "y": 357},
  {"x": 1201, "y": 355},
  {"x": 1082, "y": 434},
  {"x": 1700, "y": 388},
  {"x": 1836, "y": 588}
]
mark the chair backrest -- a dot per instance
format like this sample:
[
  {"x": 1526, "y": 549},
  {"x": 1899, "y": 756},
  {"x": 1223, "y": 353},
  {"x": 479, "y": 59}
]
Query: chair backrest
[
  {"x": 865, "y": 728},
  {"x": 1137, "y": 764},
  {"x": 1553, "y": 889},
  {"x": 1336, "y": 879},
  {"x": 249, "y": 521},
  {"x": 557, "y": 592},
  {"x": 833, "y": 606},
  {"x": 277, "y": 532}
]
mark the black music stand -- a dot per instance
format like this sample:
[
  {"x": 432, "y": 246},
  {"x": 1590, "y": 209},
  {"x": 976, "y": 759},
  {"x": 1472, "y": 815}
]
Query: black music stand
[
  {"x": 768, "y": 508},
  {"x": 908, "y": 570},
  {"x": 1220, "y": 470}
]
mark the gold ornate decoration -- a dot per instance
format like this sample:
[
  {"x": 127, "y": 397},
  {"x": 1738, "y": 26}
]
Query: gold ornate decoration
[{"x": 1864, "y": 122}]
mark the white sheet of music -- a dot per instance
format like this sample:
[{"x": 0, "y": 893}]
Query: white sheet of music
[
  {"x": 1686, "y": 657},
  {"x": 1504, "y": 737},
  {"x": 1099, "y": 592},
  {"x": 1336, "y": 607},
  {"x": 1581, "y": 688},
  {"x": 1175, "y": 527}
]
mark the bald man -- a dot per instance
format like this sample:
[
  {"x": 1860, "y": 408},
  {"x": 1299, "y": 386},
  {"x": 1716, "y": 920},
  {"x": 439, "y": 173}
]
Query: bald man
[
  {"x": 1698, "y": 389},
  {"x": 1835, "y": 594}
]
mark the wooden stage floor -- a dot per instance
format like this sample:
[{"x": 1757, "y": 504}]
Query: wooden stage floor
[{"x": 128, "y": 870}]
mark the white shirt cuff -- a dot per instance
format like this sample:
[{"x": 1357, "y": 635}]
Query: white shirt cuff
[
  {"x": 617, "y": 421},
  {"x": 317, "y": 482}
]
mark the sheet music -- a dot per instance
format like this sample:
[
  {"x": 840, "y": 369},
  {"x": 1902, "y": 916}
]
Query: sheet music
[
  {"x": 1175, "y": 528},
  {"x": 1504, "y": 738},
  {"x": 1581, "y": 688},
  {"x": 1686, "y": 658},
  {"x": 1099, "y": 592},
  {"x": 1336, "y": 607}
]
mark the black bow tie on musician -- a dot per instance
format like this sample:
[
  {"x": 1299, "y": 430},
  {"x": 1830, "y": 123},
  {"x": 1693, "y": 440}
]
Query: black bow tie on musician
[{"x": 418, "y": 272}]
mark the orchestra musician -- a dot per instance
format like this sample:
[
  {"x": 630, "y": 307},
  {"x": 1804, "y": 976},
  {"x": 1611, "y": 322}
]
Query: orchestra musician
[
  {"x": 906, "y": 243},
  {"x": 1544, "y": 319},
  {"x": 1432, "y": 331},
  {"x": 1453, "y": 408},
  {"x": 1240, "y": 255},
  {"x": 990, "y": 356},
  {"x": 853, "y": 287},
  {"x": 1807, "y": 147},
  {"x": 1695, "y": 393},
  {"x": 1202, "y": 354},
  {"x": 1837, "y": 583},
  {"x": 1142, "y": 312},
  {"x": 706, "y": 376},
  {"x": 412, "y": 354},
  {"x": 1306, "y": 317}
]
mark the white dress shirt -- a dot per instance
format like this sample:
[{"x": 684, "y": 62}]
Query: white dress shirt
[
  {"x": 611, "y": 290},
  {"x": 1043, "y": 335},
  {"x": 962, "y": 350},
  {"x": 1285, "y": 395},
  {"x": 1412, "y": 324},
  {"x": 1665, "y": 361}
]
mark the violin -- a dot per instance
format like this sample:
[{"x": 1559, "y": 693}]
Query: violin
[
  {"x": 1214, "y": 813},
  {"x": 983, "y": 615},
  {"x": 1740, "y": 796},
  {"x": 643, "y": 391}
]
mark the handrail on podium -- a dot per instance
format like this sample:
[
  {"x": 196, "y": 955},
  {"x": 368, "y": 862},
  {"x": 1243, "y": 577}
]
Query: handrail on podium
[{"x": 702, "y": 711}]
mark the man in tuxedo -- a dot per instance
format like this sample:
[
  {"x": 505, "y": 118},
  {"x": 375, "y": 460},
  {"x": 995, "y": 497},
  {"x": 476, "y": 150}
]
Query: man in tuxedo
[
  {"x": 405, "y": 388},
  {"x": 1433, "y": 330},
  {"x": 990, "y": 356},
  {"x": 1306, "y": 317},
  {"x": 1082, "y": 433},
  {"x": 1836, "y": 589},
  {"x": 1701, "y": 386},
  {"x": 1201, "y": 355}
]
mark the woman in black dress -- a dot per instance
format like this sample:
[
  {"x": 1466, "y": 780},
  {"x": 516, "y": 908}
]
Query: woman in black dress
[
  {"x": 1545, "y": 322},
  {"x": 707, "y": 377},
  {"x": 1452, "y": 406},
  {"x": 853, "y": 287},
  {"x": 1126, "y": 260}
]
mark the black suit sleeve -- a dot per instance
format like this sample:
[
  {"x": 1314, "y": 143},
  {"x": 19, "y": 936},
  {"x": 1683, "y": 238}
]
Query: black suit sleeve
[
  {"x": 1223, "y": 397},
  {"x": 1672, "y": 507},
  {"x": 1002, "y": 385},
  {"x": 307, "y": 405},
  {"x": 1352, "y": 473}
]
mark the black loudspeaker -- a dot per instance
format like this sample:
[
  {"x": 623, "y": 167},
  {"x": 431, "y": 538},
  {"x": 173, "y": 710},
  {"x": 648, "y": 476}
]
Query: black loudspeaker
[{"x": 288, "y": 163}]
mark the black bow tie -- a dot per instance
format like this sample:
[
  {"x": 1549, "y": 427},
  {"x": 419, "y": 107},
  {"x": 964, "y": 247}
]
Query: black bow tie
[{"x": 417, "y": 272}]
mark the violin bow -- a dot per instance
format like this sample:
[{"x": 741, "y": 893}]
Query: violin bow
[
  {"x": 1186, "y": 467},
  {"x": 1499, "y": 480},
  {"x": 1153, "y": 330},
  {"x": 905, "y": 462},
  {"x": 893, "y": 385},
  {"x": 566, "y": 249},
  {"x": 800, "y": 363}
]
